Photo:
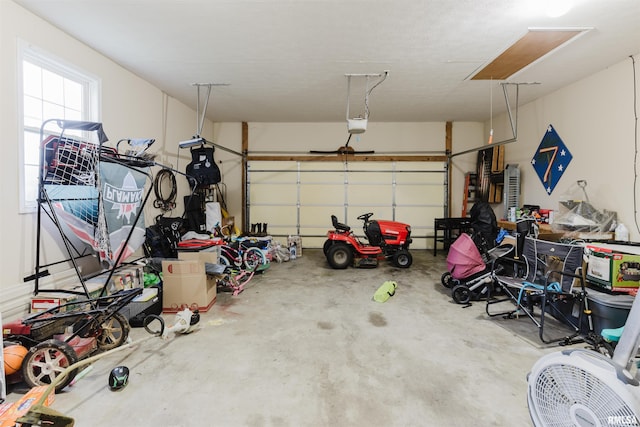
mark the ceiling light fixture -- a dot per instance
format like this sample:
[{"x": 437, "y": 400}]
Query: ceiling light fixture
[{"x": 556, "y": 8}]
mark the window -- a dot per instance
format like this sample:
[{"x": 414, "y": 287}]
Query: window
[{"x": 49, "y": 89}]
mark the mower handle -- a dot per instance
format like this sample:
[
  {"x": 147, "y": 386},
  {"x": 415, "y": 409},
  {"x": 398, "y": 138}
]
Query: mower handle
[{"x": 365, "y": 217}]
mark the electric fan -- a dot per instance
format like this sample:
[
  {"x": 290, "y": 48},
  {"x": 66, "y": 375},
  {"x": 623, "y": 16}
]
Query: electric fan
[{"x": 582, "y": 387}]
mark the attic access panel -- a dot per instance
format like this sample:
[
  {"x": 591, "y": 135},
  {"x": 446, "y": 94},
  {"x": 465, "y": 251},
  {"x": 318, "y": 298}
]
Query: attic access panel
[{"x": 535, "y": 44}]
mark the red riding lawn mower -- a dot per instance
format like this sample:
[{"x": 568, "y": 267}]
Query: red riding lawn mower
[{"x": 387, "y": 240}]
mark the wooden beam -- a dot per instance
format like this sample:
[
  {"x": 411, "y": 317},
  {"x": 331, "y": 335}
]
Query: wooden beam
[
  {"x": 245, "y": 150},
  {"x": 347, "y": 157}
]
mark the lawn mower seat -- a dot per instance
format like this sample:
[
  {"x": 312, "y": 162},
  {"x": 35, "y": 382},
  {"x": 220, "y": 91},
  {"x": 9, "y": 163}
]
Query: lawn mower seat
[{"x": 337, "y": 225}]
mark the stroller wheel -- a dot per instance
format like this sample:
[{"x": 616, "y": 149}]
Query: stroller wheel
[
  {"x": 447, "y": 280},
  {"x": 461, "y": 294}
]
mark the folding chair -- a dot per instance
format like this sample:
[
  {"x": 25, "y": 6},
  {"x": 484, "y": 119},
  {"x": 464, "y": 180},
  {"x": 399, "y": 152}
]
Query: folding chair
[{"x": 547, "y": 275}]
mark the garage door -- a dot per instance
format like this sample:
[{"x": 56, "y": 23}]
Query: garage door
[{"x": 298, "y": 198}]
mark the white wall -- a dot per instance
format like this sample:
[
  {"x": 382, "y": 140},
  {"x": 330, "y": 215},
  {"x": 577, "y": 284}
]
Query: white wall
[
  {"x": 130, "y": 108},
  {"x": 595, "y": 119}
]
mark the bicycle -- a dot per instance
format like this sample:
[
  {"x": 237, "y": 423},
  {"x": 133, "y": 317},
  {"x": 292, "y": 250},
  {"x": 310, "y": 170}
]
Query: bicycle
[
  {"x": 239, "y": 253},
  {"x": 234, "y": 281}
]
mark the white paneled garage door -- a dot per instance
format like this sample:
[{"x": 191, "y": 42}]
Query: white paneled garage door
[{"x": 298, "y": 198}]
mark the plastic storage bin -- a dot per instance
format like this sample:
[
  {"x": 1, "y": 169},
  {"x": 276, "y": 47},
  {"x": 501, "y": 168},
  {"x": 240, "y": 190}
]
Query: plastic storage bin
[{"x": 608, "y": 311}]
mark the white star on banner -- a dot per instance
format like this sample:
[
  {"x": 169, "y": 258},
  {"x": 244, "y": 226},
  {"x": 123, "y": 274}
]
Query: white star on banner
[{"x": 563, "y": 152}]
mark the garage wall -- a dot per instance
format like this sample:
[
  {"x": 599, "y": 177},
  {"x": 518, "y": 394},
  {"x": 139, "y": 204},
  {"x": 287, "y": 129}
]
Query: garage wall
[
  {"x": 595, "y": 119},
  {"x": 130, "y": 108}
]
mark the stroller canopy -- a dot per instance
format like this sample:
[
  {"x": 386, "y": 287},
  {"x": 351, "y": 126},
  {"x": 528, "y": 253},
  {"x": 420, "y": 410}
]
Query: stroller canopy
[{"x": 464, "y": 259}]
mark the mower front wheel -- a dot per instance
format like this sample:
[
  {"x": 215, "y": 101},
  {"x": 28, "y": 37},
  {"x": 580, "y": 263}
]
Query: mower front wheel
[
  {"x": 402, "y": 259},
  {"x": 340, "y": 255},
  {"x": 47, "y": 361}
]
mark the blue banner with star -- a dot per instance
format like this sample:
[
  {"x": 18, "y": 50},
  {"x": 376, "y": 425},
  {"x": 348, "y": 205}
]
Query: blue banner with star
[{"x": 551, "y": 159}]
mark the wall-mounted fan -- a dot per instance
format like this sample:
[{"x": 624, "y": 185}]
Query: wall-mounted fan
[{"x": 582, "y": 387}]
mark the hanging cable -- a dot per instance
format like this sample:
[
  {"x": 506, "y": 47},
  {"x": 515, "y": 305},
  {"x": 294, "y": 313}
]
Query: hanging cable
[
  {"x": 366, "y": 98},
  {"x": 491, "y": 111},
  {"x": 165, "y": 203},
  {"x": 635, "y": 143}
]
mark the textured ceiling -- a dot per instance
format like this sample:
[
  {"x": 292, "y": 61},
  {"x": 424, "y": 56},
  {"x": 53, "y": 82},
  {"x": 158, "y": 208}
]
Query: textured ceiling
[{"x": 285, "y": 61}]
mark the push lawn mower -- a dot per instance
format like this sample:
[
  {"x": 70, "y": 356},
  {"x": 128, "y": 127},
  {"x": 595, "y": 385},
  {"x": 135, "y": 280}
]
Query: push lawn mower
[
  {"x": 387, "y": 240},
  {"x": 59, "y": 337}
]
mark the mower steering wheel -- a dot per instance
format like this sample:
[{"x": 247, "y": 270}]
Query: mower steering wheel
[{"x": 365, "y": 217}]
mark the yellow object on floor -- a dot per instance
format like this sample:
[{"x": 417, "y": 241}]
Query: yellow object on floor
[{"x": 386, "y": 291}]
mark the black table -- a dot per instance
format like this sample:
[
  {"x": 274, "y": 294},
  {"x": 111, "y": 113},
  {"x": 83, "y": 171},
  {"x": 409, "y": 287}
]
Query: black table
[{"x": 451, "y": 229}]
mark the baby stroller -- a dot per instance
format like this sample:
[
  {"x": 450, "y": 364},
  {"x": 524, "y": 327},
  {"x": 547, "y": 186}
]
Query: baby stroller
[
  {"x": 470, "y": 256},
  {"x": 469, "y": 272}
]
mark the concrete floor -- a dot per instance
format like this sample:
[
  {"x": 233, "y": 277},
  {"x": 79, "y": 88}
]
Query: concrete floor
[{"x": 305, "y": 345}]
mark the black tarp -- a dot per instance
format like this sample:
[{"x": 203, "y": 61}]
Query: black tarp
[{"x": 485, "y": 225}]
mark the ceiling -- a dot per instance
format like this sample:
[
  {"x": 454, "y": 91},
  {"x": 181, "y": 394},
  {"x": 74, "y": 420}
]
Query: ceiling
[{"x": 286, "y": 60}]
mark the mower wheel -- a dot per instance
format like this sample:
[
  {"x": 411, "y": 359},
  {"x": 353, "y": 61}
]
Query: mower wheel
[
  {"x": 402, "y": 259},
  {"x": 340, "y": 255},
  {"x": 461, "y": 294},
  {"x": 114, "y": 332},
  {"x": 46, "y": 361},
  {"x": 447, "y": 281},
  {"x": 326, "y": 246}
]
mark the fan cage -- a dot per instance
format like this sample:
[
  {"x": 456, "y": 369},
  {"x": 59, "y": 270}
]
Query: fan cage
[{"x": 580, "y": 392}]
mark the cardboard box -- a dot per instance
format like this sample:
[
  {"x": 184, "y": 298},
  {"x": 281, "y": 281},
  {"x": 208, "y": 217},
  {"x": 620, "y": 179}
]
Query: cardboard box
[
  {"x": 612, "y": 270},
  {"x": 95, "y": 285},
  {"x": 43, "y": 302},
  {"x": 185, "y": 284},
  {"x": 210, "y": 254},
  {"x": 19, "y": 408}
]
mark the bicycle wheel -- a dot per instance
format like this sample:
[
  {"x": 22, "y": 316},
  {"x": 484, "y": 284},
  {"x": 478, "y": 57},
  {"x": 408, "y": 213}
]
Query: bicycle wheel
[{"x": 253, "y": 257}]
